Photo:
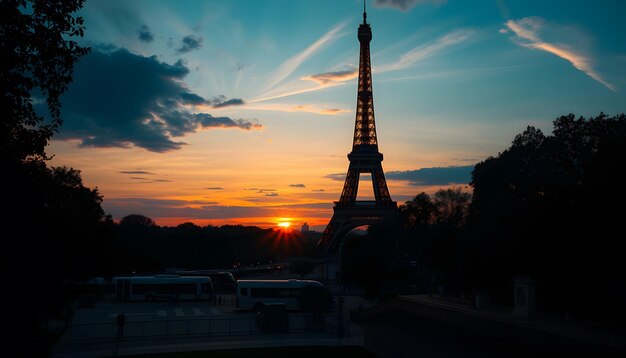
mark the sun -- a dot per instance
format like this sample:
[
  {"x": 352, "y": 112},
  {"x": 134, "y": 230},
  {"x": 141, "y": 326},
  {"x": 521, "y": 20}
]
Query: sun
[{"x": 284, "y": 224}]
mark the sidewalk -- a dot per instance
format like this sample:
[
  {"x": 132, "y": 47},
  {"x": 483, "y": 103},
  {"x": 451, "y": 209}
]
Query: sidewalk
[{"x": 124, "y": 348}]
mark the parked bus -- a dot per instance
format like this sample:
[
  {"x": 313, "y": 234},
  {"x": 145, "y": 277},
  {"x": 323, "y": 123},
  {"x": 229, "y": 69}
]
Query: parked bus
[
  {"x": 223, "y": 281},
  {"x": 255, "y": 294},
  {"x": 163, "y": 287}
]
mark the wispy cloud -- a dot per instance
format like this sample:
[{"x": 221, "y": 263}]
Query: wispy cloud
[
  {"x": 528, "y": 33},
  {"x": 332, "y": 77},
  {"x": 405, "y": 5},
  {"x": 337, "y": 78},
  {"x": 422, "y": 52},
  {"x": 290, "y": 65},
  {"x": 293, "y": 92},
  {"x": 136, "y": 172},
  {"x": 291, "y": 108},
  {"x": 297, "y": 185}
]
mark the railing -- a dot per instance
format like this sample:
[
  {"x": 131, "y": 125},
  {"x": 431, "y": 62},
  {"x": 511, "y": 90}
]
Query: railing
[{"x": 196, "y": 327}]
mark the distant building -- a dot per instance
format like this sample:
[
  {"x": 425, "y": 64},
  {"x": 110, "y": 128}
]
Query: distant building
[{"x": 305, "y": 228}]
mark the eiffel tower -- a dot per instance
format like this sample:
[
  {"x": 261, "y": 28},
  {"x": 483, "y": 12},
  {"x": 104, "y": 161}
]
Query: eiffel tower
[{"x": 364, "y": 158}]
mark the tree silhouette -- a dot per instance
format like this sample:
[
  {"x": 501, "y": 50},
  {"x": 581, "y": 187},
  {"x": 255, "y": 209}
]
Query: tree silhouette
[
  {"x": 451, "y": 205},
  {"x": 59, "y": 229},
  {"x": 136, "y": 220},
  {"x": 546, "y": 207},
  {"x": 418, "y": 211},
  {"x": 38, "y": 57}
]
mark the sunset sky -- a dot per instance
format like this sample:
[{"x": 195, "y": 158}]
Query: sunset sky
[{"x": 242, "y": 112}]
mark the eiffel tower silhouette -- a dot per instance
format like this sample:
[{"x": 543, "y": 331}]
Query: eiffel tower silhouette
[{"x": 364, "y": 158}]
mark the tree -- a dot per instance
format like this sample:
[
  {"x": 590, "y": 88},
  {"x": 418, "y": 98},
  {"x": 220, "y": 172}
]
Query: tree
[
  {"x": 137, "y": 220},
  {"x": 59, "y": 230},
  {"x": 418, "y": 211},
  {"x": 60, "y": 233},
  {"x": 545, "y": 207},
  {"x": 451, "y": 206},
  {"x": 38, "y": 57}
]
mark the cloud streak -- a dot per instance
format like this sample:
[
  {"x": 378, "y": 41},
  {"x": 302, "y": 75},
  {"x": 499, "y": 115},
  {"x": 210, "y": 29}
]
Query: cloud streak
[
  {"x": 405, "y": 5},
  {"x": 290, "y": 65},
  {"x": 337, "y": 78},
  {"x": 425, "y": 176},
  {"x": 143, "y": 172},
  {"x": 528, "y": 33},
  {"x": 332, "y": 77},
  {"x": 422, "y": 52},
  {"x": 291, "y": 108}
]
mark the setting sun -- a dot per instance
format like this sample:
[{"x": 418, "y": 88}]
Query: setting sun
[{"x": 284, "y": 224}]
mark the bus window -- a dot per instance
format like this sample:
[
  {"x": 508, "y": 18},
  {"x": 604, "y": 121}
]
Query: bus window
[{"x": 243, "y": 291}]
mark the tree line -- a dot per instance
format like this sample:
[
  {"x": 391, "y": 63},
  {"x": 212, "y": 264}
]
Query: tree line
[
  {"x": 549, "y": 207},
  {"x": 142, "y": 246}
]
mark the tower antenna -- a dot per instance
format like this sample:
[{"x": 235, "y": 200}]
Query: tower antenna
[{"x": 364, "y": 12}]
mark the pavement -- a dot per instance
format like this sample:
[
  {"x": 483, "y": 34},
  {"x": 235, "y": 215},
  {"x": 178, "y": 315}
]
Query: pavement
[
  {"x": 126, "y": 348},
  {"x": 186, "y": 326}
]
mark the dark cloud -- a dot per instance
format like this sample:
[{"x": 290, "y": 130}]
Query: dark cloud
[
  {"x": 262, "y": 190},
  {"x": 239, "y": 66},
  {"x": 328, "y": 77},
  {"x": 214, "y": 188},
  {"x": 119, "y": 99},
  {"x": 425, "y": 176},
  {"x": 336, "y": 176},
  {"x": 145, "y": 34},
  {"x": 150, "y": 180},
  {"x": 230, "y": 102},
  {"x": 318, "y": 190},
  {"x": 136, "y": 172},
  {"x": 434, "y": 176},
  {"x": 271, "y": 194},
  {"x": 297, "y": 185},
  {"x": 190, "y": 42},
  {"x": 404, "y": 5}
]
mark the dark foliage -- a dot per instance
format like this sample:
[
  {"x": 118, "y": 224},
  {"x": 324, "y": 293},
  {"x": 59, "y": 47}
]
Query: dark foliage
[
  {"x": 371, "y": 260},
  {"x": 37, "y": 60},
  {"x": 549, "y": 207},
  {"x": 59, "y": 231},
  {"x": 145, "y": 247},
  {"x": 60, "y": 234}
]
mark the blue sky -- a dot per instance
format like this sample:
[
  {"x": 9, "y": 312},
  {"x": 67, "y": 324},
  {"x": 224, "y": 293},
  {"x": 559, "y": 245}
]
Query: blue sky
[{"x": 254, "y": 94}]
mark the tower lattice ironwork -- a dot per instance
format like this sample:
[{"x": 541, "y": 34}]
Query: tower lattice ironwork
[{"x": 350, "y": 213}]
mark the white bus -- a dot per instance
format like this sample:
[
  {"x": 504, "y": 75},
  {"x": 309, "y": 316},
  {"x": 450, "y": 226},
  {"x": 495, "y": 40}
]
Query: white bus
[
  {"x": 162, "y": 287},
  {"x": 254, "y": 294}
]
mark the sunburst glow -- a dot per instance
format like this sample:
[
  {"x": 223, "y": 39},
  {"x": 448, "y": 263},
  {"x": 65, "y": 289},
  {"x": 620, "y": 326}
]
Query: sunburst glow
[{"x": 284, "y": 224}]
